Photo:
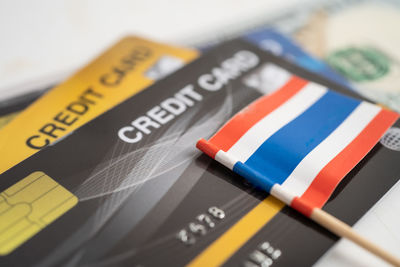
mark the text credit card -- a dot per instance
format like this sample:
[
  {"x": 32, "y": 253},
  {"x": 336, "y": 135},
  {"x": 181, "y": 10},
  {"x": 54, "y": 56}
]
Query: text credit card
[{"x": 122, "y": 71}]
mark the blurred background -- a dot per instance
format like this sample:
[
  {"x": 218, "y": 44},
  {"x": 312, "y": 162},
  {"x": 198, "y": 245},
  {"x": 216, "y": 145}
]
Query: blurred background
[{"x": 44, "y": 41}]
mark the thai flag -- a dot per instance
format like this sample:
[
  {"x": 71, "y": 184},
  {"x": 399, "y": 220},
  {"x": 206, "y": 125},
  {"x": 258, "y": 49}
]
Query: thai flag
[{"x": 299, "y": 142}]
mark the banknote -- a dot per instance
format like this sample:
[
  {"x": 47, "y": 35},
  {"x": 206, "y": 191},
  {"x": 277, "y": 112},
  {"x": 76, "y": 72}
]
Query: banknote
[{"x": 356, "y": 38}]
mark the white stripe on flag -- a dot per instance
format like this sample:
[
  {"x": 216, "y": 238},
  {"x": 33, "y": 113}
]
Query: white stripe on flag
[
  {"x": 303, "y": 175},
  {"x": 225, "y": 159},
  {"x": 281, "y": 194},
  {"x": 278, "y": 118}
]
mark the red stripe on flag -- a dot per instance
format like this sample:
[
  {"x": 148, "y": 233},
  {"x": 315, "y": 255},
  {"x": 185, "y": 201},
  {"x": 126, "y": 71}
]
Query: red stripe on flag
[
  {"x": 303, "y": 206},
  {"x": 208, "y": 148},
  {"x": 230, "y": 133},
  {"x": 329, "y": 177}
]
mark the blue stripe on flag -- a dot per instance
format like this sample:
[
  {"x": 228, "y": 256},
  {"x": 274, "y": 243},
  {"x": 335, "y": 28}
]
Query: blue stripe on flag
[
  {"x": 279, "y": 155},
  {"x": 259, "y": 180}
]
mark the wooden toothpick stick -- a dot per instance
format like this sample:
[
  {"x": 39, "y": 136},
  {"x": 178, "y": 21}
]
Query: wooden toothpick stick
[{"x": 342, "y": 229}]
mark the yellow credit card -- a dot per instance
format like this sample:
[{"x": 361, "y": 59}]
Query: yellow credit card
[
  {"x": 29, "y": 206},
  {"x": 125, "y": 69},
  {"x": 7, "y": 118}
]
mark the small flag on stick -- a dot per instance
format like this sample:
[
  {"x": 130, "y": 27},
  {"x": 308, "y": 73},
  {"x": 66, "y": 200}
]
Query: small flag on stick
[{"x": 298, "y": 143}]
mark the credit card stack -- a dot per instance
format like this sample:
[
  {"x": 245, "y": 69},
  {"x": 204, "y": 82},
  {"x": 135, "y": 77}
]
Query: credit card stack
[{"x": 102, "y": 169}]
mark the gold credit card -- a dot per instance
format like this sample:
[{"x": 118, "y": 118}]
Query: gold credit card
[
  {"x": 29, "y": 206},
  {"x": 125, "y": 69},
  {"x": 7, "y": 118}
]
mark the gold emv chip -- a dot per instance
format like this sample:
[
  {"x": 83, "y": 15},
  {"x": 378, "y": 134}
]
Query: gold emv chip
[{"x": 29, "y": 206}]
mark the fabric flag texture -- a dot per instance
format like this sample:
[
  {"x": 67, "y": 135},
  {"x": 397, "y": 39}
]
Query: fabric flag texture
[{"x": 299, "y": 142}]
